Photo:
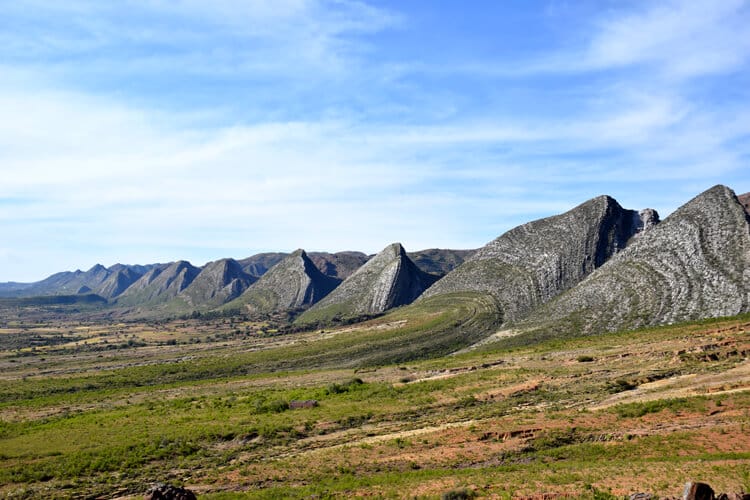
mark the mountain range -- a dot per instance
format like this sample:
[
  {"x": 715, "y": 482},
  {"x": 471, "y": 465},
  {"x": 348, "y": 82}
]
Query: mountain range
[{"x": 598, "y": 267}]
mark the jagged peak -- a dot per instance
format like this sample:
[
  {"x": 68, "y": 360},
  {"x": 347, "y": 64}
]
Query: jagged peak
[
  {"x": 300, "y": 252},
  {"x": 391, "y": 252},
  {"x": 97, "y": 268}
]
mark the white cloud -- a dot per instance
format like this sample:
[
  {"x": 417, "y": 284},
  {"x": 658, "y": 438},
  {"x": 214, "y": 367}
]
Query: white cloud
[{"x": 683, "y": 38}]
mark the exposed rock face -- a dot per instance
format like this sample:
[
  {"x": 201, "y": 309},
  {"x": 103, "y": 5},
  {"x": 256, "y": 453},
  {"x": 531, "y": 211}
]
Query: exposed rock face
[
  {"x": 338, "y": 265},
  {"x": 259, "y": 264},
  {"x": 695, "y": 264},
  {"x": 160, "y": 284},
  {"x": 744, "y": 200},
  {"x": 390, "y": 279},
  {"x": 292, "y": 283},
  {"x": 217, "y": 283},
  {"x": 439, "y": 261},
  {"x": 532, "y": 263},
  {"x": 117, "y": 282},
  {"x": 647, "y": 218}
]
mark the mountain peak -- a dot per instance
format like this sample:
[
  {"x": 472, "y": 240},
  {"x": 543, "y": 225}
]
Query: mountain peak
[
  {"x": 390, "y": 279},
  {"x": 293, "y": 282},
  {"x": 532, "y": 263},
  {"x": 694, "y": 264}
]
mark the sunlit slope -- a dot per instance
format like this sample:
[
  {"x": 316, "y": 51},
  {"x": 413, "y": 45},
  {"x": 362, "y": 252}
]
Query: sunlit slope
[{"x": 695, "y": 264}]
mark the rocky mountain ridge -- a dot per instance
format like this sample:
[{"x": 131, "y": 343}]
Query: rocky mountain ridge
[
  {"x": 532, "y": 263},
  {"x": 388, "y": 280},
  {"x": 292, "y": 283},
  {"x": 695, "y": 264}
]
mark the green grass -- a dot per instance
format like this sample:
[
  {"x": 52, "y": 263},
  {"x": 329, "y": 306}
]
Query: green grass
[{"x": 218, "y": 414}]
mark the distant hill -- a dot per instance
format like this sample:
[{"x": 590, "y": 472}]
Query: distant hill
[
  {"x": 439, "y": 261},
  {"x": 695, "y": 264},
  {"x": 217, "y": 283},
  {"x": 106, "y": 282},
  {"x": 338, "y": 265},
  {"x": 257, "y": 265},
  {"x": 292, "y": 283},
  {"x": 159, "y": 285},
  {"x": 532, "y": 263},
  {"x": 390, "y": 279}
]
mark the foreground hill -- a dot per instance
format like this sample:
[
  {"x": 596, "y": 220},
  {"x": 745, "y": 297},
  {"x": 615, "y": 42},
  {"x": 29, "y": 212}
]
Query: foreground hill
[
  {"x": 292, "y": 283},
  {"x": 695, "y": 264},
  {"x": 532, "y": 263},
  {"x": 388, "y": 280}
]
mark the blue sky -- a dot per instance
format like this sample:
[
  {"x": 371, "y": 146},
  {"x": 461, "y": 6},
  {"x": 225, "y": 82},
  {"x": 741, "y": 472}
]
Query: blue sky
[{"x": 150, "y": 131}]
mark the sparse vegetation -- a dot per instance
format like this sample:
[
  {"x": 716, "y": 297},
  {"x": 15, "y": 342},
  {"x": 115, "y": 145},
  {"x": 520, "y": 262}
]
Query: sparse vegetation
[{"x": 78, "y": 419}]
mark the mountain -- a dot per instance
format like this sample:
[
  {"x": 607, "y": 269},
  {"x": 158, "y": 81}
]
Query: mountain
[
  {"x": 388, "y": 280},
  {"x": 217, "y": 283},
  {"x": 257, "y": 265},
  {"x": 117, "y": 282},
  {"x": 292, "y": 283},
  {"x": 338, "y": 265},
  {"x": 532, "y": 263},
  {"x": 160, "y": 284},
  {"x": 106, "y": 282},
  {"x": 439, "y": 261},
  {"x": 695, "y": 264}
]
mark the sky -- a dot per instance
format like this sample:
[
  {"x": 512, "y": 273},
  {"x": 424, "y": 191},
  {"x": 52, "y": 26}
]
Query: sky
[{"x": 157, "y": 130}]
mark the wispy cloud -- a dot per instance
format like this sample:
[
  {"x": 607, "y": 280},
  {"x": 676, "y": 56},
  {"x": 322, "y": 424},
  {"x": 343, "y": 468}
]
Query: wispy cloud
[{"x": 150, "y": 131}]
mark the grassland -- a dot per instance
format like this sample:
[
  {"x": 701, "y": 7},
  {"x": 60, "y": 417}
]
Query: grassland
[{"x": 102, "y": 409}]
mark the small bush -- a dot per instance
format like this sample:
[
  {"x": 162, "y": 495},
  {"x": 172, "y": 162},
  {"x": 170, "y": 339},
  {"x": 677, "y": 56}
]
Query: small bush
[
  {"x": 336, "y": 388},
  {"x": 585, "y": 359},
  {"x": 620, "y": 385}
]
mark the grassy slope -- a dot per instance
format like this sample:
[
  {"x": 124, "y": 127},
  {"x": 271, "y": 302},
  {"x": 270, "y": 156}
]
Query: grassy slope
[{"x": 501, "y": 421}]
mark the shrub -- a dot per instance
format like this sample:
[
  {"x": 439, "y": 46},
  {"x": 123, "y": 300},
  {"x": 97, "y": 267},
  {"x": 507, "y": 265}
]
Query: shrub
[
  {"x": 336, "y": 388},
  {"x": 458, "y": 494}
]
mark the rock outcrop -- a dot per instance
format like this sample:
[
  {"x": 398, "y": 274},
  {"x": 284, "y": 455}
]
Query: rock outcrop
[
  {"x": 695, "y": 264},
  {"x": 117, "y": 282},
  {"x": 390, "y": 279},
  {"x": 292, "y": 283},
  {"x": 159, "y": 285},
  {"x": 531, "y": 264},
  {"x": 217, "y": 283}
]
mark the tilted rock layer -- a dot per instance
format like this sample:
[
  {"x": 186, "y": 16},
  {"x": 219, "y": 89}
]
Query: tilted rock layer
[
  {"x": 217, "y": 283},
  {"x": 292, "y": 283},
  {"x": 532, "y": 263},
  {"x": 695, "y": 264},
  {"x": 390, "y": 279},
  {"x": 160, "y": 284}
]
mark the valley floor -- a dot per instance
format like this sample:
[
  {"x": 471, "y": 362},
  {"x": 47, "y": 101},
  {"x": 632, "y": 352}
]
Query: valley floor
[{"x": 104, "y": 410}]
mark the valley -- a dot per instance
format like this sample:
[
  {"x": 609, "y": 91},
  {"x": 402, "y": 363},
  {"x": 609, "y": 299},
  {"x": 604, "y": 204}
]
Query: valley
[{"x": 591, "y": 354}]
